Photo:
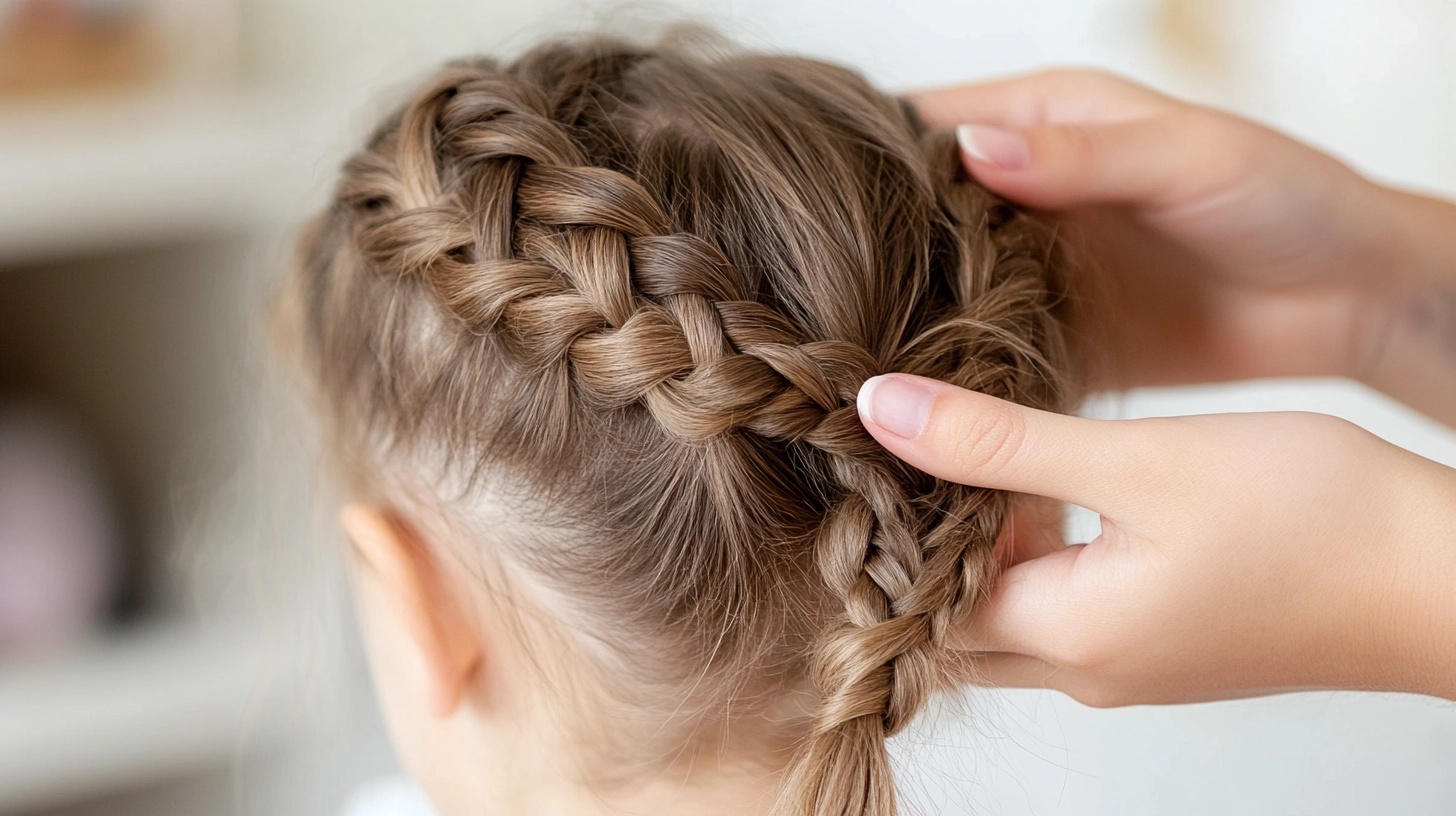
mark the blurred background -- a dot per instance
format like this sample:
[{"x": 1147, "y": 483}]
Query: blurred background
[{"x": 173, "y": 633}]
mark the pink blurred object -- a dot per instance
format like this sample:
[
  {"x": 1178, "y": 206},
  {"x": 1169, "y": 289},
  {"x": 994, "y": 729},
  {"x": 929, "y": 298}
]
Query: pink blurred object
[{"x": 59, "y": 537}]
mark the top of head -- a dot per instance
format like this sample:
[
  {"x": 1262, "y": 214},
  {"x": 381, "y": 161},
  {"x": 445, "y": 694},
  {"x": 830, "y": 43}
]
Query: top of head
[{"x": 631, "y": 293}]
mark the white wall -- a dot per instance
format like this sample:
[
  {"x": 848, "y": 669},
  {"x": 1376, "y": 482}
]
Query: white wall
[{"x": 1370, "y": 79}]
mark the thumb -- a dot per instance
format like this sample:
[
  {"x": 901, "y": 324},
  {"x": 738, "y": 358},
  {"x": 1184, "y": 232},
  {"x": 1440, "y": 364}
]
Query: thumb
[
  {"x": 975, "y": 439},
  {"x": 1028, "y": 608},
  {"x": 1140, "y": 161}
]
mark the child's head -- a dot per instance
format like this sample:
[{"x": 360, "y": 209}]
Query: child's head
[{"x": 588, "y": 329}]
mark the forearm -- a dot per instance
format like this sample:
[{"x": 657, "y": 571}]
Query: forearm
[{"x": 1410, "y": 347}]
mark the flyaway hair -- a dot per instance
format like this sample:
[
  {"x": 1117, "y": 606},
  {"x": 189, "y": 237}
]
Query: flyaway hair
[{"x": 616, "y": 302}]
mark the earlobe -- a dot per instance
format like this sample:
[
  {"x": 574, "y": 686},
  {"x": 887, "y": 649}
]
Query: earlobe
[{"x": 399, "y": 574}]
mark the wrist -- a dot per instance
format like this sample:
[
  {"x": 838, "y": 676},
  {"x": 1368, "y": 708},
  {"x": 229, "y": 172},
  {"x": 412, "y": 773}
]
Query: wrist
[
  {"x": 1423, "y": 588},
  {"x": 1405, "y": 332},
  {"x": 1421, "y": 236}
]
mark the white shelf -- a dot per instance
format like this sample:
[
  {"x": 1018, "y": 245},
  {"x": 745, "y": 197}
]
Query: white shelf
[
  {"x": 84, "y": 178},
  {"x": 78, "y": 177},
  {"x": 144, "y": 705}
]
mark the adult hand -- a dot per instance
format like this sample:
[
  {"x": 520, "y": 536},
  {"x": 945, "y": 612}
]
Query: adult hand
[
  {"x": 1218, "y": 249},
  {"x": 1240, "y": 554}
]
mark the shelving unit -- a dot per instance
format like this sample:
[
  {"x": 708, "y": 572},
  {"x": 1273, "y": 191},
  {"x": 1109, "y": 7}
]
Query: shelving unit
[
  {"x": 159, "y": 700},
  {"x": 87, "y": 175},
  {"x": 137, "y": 240}
]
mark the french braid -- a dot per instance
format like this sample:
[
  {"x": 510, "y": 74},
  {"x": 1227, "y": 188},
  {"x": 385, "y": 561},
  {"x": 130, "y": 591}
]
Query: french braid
[{"x": 522, "y": 203}]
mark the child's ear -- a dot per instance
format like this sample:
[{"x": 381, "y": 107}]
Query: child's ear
[{"x": 397, "y": 572}]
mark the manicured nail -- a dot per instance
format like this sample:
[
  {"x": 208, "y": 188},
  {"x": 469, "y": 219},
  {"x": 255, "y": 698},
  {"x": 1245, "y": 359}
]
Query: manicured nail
[
  {"x": 900, "y": 405},
  {"x": 1006, "y": 149}
]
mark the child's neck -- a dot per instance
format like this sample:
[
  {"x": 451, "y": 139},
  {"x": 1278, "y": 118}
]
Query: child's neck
[
  {"x": 529, "y": 775},
  {"x": 724, "y": 795}
]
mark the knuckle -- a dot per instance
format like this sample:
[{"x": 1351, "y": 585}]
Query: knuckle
[
  {"x": 1300, "y": 451},
  {"x": 1081, "y": 144},
  {"x": 1232, "y": 151},
  {"x": 1323, "y": 433},
  {"x": 1243, "y": 146},
  {"x": 989, "y": 442},
  {"x": 1341, "y": 438},
  {"x": 1337, "y": 428},
  {"x": 1089, "y": 89}
]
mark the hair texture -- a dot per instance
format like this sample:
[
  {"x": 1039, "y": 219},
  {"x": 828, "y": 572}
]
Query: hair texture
[{"x": 631, "y": 293}]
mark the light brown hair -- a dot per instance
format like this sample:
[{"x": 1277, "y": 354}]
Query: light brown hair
[{"x": 631, "y": 294}]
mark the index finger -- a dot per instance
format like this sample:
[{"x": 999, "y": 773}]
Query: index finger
[
  {"x": 1049, "y": 97},
  {"x": 1028, "y": 609},
  {"x": 1107, "y": 466}
]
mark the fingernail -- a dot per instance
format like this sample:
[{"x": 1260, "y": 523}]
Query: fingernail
[
  {"x": 1006, "y": 149},
  {"x": 900, "y": 405}
]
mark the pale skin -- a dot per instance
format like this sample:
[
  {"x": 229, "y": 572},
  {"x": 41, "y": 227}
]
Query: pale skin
[
  {"x": 459, "y": 677},
  {"x": 1240, "y": 555}
]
